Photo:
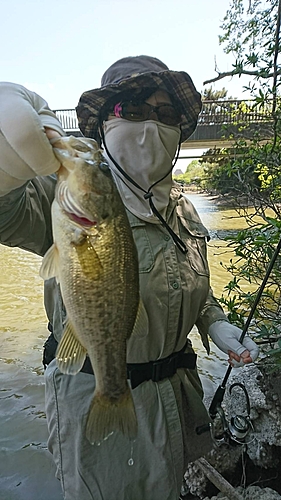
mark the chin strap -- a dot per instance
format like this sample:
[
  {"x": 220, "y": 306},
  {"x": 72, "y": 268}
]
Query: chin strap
[{"x": 148, "y": 195}]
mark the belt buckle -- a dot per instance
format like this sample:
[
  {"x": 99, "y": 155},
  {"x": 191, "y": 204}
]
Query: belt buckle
[
  {"x": 157, "y": 371},
  {"x": 164, "y": 369}
]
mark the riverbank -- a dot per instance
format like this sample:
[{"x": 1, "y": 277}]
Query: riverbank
[
  {"x": 224, "y": 200},
  {"x": 263, "y": 468},
  {"x": 254, "y": 460}
]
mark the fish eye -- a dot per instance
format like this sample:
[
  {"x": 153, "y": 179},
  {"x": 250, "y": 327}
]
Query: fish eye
[{"x": 103, "y": 166}]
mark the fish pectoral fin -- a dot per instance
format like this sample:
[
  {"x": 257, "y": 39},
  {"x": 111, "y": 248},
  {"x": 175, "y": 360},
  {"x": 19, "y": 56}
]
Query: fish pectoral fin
[
  {"x": 50, "y": 264},
  {"x": 91, "y": 264},
  {"x": 141, "y": 325},
  {"x": 70, "y": 353}
]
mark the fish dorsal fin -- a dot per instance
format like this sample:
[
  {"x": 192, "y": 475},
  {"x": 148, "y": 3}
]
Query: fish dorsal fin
[
  {"x": 50, "y": 264},
  {"x": 141, "y": 325},
  {"x": 70, "y": 354}
]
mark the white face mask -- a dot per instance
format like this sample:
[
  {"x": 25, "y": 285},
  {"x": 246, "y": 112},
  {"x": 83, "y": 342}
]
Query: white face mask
[{"x": 145, "y": 151}]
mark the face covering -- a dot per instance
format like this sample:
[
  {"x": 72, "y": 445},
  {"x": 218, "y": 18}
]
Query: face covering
[{"x": 145, "y": 151}]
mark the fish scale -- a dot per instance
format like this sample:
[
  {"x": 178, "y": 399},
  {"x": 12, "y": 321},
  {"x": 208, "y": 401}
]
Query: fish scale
[{"x": 95, "y": 261}]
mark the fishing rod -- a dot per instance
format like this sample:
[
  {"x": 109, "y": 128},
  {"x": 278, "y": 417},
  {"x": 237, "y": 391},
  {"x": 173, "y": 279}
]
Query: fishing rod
[{"x": 215, "y": 405}]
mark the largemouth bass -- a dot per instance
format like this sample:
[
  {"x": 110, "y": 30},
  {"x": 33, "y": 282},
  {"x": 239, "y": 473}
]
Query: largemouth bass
[{"x": 94, "y": 260}]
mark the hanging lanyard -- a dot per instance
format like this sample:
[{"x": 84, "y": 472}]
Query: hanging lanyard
[{"x": 148, "y": 195}]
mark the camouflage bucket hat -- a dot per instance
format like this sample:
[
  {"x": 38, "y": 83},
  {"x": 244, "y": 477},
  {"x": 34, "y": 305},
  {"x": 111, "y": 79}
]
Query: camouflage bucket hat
[{"x": 134, "y": 74}]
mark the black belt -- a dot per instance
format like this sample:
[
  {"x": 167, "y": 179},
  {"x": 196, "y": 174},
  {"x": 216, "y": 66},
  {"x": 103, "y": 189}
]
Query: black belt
[
  {"x": 160, "y": 369},
  {"x": 138, "y": 373}
]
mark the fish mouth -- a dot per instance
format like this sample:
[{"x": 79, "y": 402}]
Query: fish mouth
[
  {"x": 82, "y": 221},
  {"x": 69, "y": 205}
]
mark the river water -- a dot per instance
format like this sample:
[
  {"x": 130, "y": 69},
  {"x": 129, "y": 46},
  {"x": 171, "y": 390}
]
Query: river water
[{"x": 26, "y": 467}]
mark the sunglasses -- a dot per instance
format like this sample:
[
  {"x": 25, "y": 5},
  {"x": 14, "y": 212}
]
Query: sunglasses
[{"x": 141, "y": 111}]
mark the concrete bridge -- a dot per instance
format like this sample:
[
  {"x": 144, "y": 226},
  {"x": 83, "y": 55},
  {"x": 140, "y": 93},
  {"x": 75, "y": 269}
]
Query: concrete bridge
[{"x": 220, "y": 123}]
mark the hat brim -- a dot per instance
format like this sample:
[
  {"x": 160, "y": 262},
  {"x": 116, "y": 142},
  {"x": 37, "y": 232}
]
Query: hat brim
[{"x": 176, "y": 83}]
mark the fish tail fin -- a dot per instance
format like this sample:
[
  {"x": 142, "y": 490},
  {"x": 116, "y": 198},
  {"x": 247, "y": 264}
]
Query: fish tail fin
[{"x": 106, "y": 417}]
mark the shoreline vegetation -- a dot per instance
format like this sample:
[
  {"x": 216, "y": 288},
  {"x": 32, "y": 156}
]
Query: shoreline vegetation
[
  {"x": 261, "y": 480},
  {"x": 226, "y": 200}
]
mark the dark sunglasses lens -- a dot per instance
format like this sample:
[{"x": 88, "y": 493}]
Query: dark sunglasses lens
[
  {"x": 135, "y": 112},
  {"x": 169, "y": 115},
  {"x": 166, "y": 113}
]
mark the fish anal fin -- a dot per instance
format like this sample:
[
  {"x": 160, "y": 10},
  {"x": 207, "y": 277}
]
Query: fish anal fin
[
  {"x": 70, "y": 353},
  {"x": 106, "y": 417},
  {"x": 50, "y": 264}
]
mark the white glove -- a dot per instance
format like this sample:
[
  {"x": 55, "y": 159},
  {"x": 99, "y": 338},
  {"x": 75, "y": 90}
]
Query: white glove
[
  {"x": 226, "y": 337},
  {"x": 25, "y": 151}
]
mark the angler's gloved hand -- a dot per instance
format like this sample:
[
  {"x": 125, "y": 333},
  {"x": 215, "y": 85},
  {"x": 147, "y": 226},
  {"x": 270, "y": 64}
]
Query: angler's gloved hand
[
  {"x": 226, "y": 337},
  {"x": 26, "y": 124}
]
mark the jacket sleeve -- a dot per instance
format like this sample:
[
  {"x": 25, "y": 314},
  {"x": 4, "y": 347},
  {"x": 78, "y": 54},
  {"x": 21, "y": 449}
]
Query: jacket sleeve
[
  {"x": 25, "y": 215},
  {"x": 211, "y": 312},
  {"x": 25, "y": 151}
]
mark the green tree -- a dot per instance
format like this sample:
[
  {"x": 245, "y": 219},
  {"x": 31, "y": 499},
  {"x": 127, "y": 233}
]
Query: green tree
[
  {"x": 248, "y": 29},
  {"x": 195, "y": 175},
  {"x": 211, "y": 94},
  {"x": 251, "y": 31}
]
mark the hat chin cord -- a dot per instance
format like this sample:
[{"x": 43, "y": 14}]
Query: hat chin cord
[{"x": 148, "y": 195}]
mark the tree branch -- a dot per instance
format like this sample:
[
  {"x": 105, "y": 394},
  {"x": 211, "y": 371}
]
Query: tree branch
[
  {"x": 218, "y": 480},
  {"x": 241, "y": 72},
  {"x": 275, "y": 74},
  {"x": 276, "y": 52}
]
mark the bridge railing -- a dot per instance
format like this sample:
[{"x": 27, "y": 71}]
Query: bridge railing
[
  {"x": 213, "y": 112},
  {"x": 68, "y": 118},
  {"x": 233, "y": 111}
]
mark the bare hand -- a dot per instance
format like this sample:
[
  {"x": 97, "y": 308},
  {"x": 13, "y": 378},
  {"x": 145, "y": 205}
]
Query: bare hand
[
  {"x": 244, "y": 358},
  {"x": 50, "y": 133}
]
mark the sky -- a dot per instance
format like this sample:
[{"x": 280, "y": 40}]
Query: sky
[{"x": 60, "y": 48}]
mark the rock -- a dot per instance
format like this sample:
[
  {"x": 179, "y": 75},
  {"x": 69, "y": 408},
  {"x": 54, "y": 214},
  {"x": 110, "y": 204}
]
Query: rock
[
  {"x": 264, "y": 439},
  {"x": 251, "y": 493},
  {"x": 262, "y": 443},
  {"x": 223, "y": 459}
]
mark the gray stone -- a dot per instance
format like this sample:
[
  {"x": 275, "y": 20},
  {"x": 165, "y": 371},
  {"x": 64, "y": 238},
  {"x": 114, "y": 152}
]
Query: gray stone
[
  {"x": 265, "y": 415},
  {"x": 251, "y": 493},
  {"x": 263, "y": 443}
]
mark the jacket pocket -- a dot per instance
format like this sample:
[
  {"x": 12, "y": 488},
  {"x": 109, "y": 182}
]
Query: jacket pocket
[
  {"x": 195, "y": 235},
  {"x": 144, "y": 248}
]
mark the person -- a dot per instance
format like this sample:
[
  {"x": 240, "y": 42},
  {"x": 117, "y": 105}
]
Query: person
[{"x": 140, "y": 116}]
